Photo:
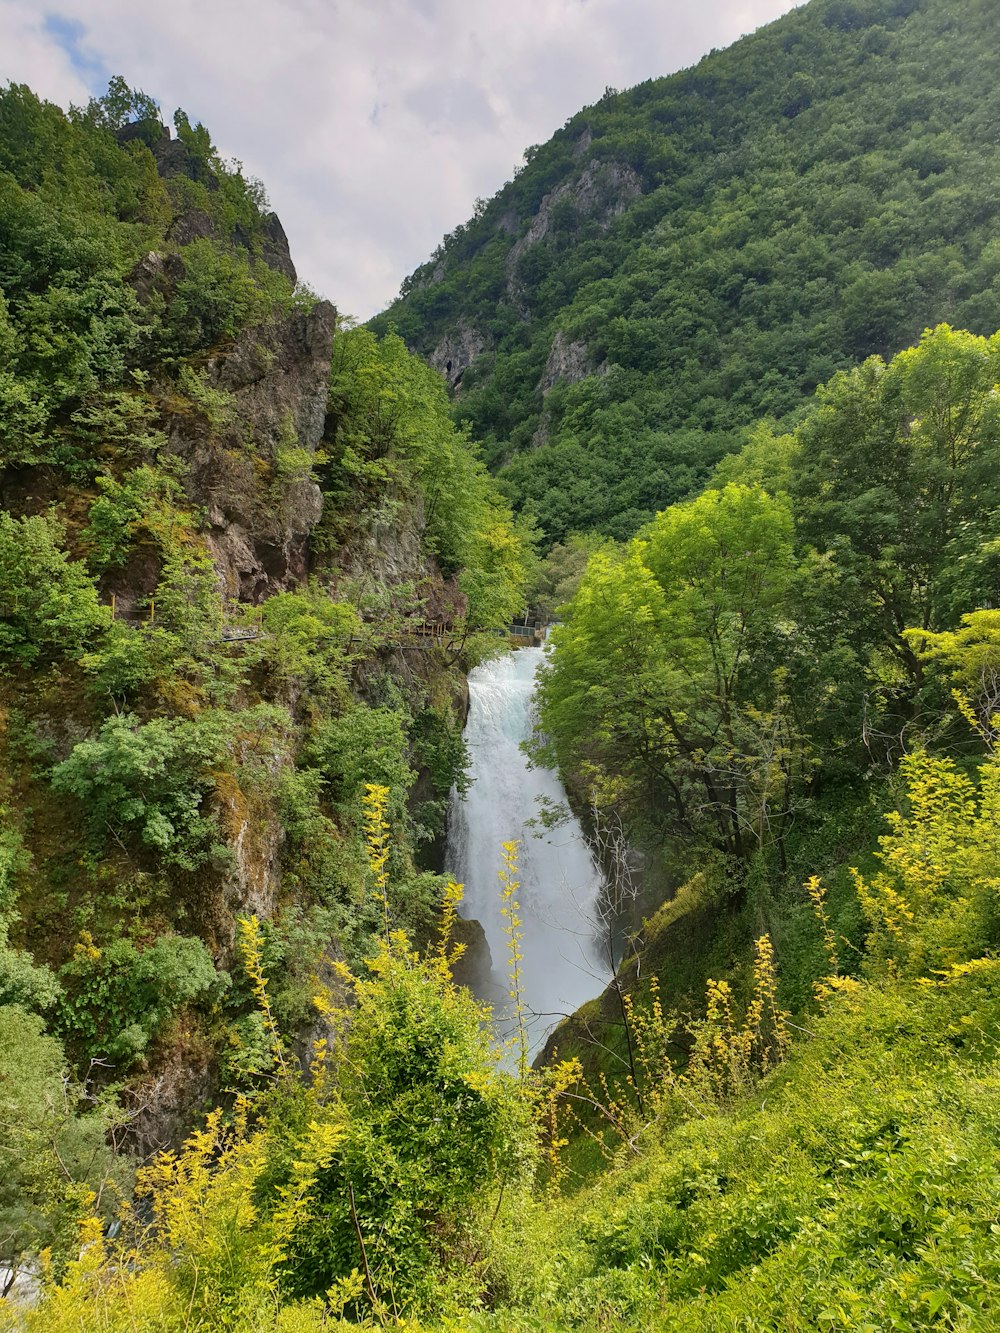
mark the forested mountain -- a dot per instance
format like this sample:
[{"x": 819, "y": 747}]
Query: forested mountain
[{"x": 704, "y": 250}]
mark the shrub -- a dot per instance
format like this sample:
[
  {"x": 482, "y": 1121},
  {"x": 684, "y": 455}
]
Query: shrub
[
  {"x": 54, "y": 1160},
  {"x": 49, "y": 603},
  {"x": 364, "y": 745},
  {"x": 117, "y": 1000},
  {"x": 150, "y": 779},
  {"x": 432, "y": 1131}
]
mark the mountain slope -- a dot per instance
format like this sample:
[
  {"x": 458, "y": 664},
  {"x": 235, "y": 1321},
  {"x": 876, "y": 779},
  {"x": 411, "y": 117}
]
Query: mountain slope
[
  {"x": 226, "y": 528},
  {"x": 703, "y": 250}
]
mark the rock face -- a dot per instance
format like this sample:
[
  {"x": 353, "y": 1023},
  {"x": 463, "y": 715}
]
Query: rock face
[
  {"x": 568, "y": 361},
  {"x": 456, "y": 352},
  {"x": 174, "y": 158},
  {"x": 276, "y": 253},
  {"x": 601, "y": 192},
  {"x": 252, "y": 474}
]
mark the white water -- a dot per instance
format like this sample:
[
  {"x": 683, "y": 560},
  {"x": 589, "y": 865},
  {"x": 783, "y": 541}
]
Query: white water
[{"x": 559, "y": 880}]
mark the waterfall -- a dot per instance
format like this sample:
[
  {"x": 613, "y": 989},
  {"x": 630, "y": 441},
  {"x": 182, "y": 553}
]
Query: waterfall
[{"x": 559, "y": 880}]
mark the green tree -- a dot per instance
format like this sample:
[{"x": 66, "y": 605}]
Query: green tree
[
  {"x": 433, "y": 1131},
  {"x": 50, "y": 604},
  {"x": 56, "y": 1165},
  {"x": 899, "y": 483},
  {"x": 151, "y": 780},
  {"x": 667, "y": 689},
  {"x": 117, "y": 999}
]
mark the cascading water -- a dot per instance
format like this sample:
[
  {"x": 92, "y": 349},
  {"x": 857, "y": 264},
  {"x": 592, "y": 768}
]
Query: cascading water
[{"x": 560, "y": 883}]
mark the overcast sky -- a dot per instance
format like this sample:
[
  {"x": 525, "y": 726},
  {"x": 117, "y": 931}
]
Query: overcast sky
[{"x": 374, "y": 124}]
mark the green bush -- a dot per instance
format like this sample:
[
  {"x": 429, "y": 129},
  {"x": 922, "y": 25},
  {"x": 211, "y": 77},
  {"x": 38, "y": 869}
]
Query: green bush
[
  {"x": 49, "y": 603},
  {"x": 310, "y": 638},
  {"x": 116, "y": 1000},
  {"x": 54, "y": 1156},
  {"x": 433, "y": 1131},
  {"x": 364, "y": 745},
  {"x": 151, "y": 780}
]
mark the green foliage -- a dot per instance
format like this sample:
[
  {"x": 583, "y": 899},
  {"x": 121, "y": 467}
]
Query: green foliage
[
  {"x": 669, "y": 675},
  {"x": 439, "y": 750},
  {"x": 898, "y": 482},
  {"x": 714, "y": 245},
  {"x": 310, "y": 638},
  {"x": 116, "y": 1000},
  {"x": 22, "y": 981},
  {"x": 222, "y": 292},
  {"x": 393, "y": 431},
  {"x": 364, "y": 745},
  {"x": 432, "y": 1131},
  {"x": 319, "y": 863},
  {"x": 122, "y": 105},
  {"x": 766, "y": 460},
  {"x": 55, "y": 1163},
  {"x": 130, "y": 657},
  {"x": 215, "y": 405},
  {"x": 50, "y": 605},
  {"x": 151, "y": 780},
  {"x": 934, "y": 904},
  {"x": 81, "y": 206},
  {"x": 556, "y": 578},
  {"x": 849, "y": 1191},
  {"x": 145, "y": 499}
]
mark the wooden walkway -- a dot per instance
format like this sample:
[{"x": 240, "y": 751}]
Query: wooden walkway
[{"x": 423, "y": 634}]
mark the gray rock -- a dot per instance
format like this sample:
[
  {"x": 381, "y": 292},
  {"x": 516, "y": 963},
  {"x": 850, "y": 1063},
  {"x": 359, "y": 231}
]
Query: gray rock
[
  {"x": 567, "y": 360},
  {"x": 260, "y": 501},
  {"x": 602, "y": 191},
  {"x": 156, "y": 272},
  {"x": 276, "y": 253},
  {"x": 191, "y": 225},
  {"x": 456, "y": 352}
]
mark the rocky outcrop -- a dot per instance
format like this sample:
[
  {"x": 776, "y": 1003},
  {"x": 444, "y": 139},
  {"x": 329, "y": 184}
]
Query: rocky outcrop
[
  {"x": 275, "y": 251},
  {"x": 163, "y": 1106},
  {"x": 474, "y": 968},
  {"x": 251, "y": 475},
  {"x": 456, "y": 352},
  {"x": 568, "y": 361},
  {"x": 156, "y": 272},
  {"x": 191, "y": 225},
  {"x": 601, "y": 193},
  {"x": 174, "y": 158}
]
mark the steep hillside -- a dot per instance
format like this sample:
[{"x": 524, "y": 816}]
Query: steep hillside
[
  {"x": 245, "y": 559},
  {"x": 701, "y": 251}
]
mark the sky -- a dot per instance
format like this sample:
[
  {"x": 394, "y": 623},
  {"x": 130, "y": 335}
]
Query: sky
[{"x": 374, "y": 124}]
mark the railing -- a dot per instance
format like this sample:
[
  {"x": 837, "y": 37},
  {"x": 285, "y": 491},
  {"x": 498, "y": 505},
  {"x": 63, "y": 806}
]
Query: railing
[
  {"x": 230, "y": 631},
  {"x": 424, "y": 634},
  {"x": 527, "y": 629}
]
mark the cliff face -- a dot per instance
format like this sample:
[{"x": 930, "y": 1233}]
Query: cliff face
[{"x": 252, "y": 475}]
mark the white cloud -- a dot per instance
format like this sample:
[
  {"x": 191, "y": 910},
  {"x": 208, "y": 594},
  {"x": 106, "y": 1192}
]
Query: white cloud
[{"x": 374, "y": 125}]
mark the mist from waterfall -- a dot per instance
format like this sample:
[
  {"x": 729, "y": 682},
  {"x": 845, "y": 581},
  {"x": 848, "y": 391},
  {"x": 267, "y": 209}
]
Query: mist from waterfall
[{"x": 559, "y": 879}]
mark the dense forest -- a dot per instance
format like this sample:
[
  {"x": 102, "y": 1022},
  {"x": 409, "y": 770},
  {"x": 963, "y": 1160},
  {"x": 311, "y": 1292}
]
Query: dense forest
[
  {"x": 740, "y": 382},
  {"x": 703, "y": 251}
]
